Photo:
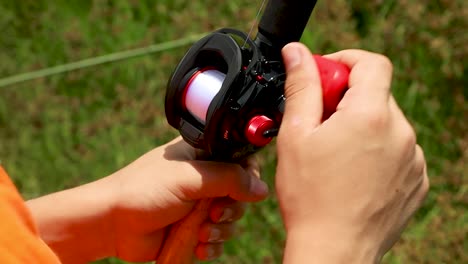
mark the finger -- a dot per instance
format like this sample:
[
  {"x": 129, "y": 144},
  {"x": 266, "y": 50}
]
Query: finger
[
  {"x": 419, "y": 167},
  {"x": 209, "y": 251},
  {"x": 147, "y": 246},
  {"x": 250, "y": 164},
  {"x": 215, "y": 233},
  {"x": 419, "y": 180},
  {"x": 303, "y": 88},
  {"x": 226, "y": 210},
  {"x": 419, "y": 174},
  {"x": 370, "y": 77},
  {"x": 207, "y": 179},
  {"x": 425, "y": 186},
  {"x": 405, "y": 131}
]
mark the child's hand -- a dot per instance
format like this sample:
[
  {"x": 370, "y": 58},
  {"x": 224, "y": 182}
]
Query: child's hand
[
  {"x": 128, "y": 213},
  {"x": 161, "y": 188}
]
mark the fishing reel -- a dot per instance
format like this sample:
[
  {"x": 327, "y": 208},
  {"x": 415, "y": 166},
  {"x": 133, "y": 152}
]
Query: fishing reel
[{"x": 226, "y": 96}]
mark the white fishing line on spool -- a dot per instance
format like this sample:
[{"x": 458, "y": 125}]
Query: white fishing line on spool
[{"x": 200, "y": 91}]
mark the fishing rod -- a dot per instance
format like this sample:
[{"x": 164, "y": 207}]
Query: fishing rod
[{"x": 226, "y": 97}]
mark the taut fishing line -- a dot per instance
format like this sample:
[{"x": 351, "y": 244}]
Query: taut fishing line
[
  {"x": 206, "y": 83},
  {"x": 255, "y": 22}
]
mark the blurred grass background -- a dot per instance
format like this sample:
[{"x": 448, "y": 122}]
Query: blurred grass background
[{"x": 69, "y": 129}]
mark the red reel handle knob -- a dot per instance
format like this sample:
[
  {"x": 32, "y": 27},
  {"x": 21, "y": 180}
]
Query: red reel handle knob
[
  {"x": 255, "y": 129},
  {"x": 334, "y": 77}
]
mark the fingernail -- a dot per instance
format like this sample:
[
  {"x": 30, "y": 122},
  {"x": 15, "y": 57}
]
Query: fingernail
[
  {"x": 215, "y": 235},
  {"x": 227, "y": 215},
  {"x": 292, "y": 55},
  {"x": 259, "y": 188}
]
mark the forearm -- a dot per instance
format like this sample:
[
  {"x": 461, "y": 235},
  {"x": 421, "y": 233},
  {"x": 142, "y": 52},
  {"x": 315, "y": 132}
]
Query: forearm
[
  {"x": 325, "y": 246},
  {"x": 76, "y": 223}
]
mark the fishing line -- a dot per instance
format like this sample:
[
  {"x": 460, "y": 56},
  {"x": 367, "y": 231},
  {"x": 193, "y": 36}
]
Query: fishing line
[
  {"x": 255, "y": 22},
  {"x": 95, "y": 61},
  {"x": 110, "y": 58},
  {"x": 205, "y": 84},
  {"x": 200, "y": 91}
]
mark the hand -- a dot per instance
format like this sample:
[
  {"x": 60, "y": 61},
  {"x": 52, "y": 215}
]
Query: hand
[
  {"x": 347, "y": 186},
  {"x": 127, "y": 214},
  {"x": 161, "y": 188}
]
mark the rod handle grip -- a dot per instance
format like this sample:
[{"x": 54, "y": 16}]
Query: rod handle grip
[{"x": 180, "y": 244}]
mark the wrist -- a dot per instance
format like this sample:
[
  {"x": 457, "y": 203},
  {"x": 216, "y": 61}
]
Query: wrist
[
  {"x": 326, "y": 244},
  {"x": 76, "y": 223}
]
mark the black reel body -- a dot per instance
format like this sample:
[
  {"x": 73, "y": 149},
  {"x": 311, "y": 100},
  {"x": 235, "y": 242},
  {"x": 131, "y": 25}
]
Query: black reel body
[{"x": 246, "y": 111}]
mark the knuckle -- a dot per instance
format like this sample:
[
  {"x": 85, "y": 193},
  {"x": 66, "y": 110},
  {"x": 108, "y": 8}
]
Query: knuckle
[
  {"x": 294, "y": 86},
  {"x": 423, "y": 190},
  {"x": 420, "y": 171},
  {"x": 408, "y": 137},
  {"x": 419, "y": 167},
  {"x": 241, "y": 179},
  {"x": 426, "y": 184},
  {"x": 375, "y": 119},
  {"x": 383, "y": 62},
  {"x": 298, "y": 80},
  {"x": 236, "y": 180},
  {"x": 420, "y": 162},
  {"x": 425, "y": 187}
]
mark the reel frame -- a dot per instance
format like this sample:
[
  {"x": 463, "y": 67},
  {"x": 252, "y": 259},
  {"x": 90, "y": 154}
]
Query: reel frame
[{"x": 254, "y": 86}]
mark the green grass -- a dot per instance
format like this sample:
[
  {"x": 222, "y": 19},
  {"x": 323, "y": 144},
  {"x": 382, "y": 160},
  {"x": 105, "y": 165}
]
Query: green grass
[{"x": 73, "y": 128}]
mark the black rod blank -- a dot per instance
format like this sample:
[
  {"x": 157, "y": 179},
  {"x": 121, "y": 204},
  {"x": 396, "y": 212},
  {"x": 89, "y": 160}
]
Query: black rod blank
[{"x": 284, "y": 21}]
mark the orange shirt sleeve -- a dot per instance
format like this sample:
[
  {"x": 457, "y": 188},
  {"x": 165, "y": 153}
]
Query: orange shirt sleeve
[{"x": 19, "y": 239}]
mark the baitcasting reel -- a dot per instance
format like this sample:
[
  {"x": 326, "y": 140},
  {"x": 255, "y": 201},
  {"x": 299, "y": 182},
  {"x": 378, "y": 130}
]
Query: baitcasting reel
[{"x": 226, "y": 96}]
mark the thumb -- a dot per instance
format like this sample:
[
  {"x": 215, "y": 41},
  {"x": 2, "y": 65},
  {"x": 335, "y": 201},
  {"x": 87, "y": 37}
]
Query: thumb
[
  {"x": 210, "y": 179},
  {"x": 303, "y": 88}
]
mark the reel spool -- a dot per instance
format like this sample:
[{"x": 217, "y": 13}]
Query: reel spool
[{"x": 200, "y": 91}]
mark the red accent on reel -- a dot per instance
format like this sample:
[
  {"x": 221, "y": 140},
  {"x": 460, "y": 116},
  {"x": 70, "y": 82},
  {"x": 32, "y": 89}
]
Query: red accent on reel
[{"x": 255, "y": 129}]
